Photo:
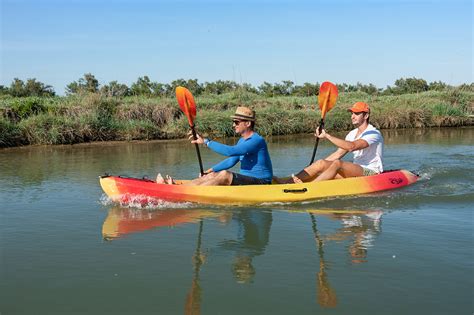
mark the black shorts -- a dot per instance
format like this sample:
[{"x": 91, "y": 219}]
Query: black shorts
[{"x": 239, "y": 179}]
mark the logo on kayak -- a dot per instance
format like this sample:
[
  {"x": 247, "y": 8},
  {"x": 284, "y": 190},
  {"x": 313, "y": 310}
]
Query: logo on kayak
[{"x": 396, "y": 181}]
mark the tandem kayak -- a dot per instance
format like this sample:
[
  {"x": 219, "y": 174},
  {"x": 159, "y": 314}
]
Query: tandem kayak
[{"x": 125, "y": 189}]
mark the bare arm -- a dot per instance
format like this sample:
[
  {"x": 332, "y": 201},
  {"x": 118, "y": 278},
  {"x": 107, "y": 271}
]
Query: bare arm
[
  {"x": 336, "y": 155},
  {"x": 346, "y": 146}
]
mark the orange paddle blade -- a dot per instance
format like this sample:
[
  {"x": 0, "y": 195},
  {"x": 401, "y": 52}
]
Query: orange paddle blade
[
  {"x": 327, "y": 97},
  {"x": 186, "y": 103}
]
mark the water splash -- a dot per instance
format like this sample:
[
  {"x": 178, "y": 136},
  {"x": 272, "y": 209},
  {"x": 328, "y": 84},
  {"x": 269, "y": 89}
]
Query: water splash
[
  {"x": 105, "y": 200},
  {"x": 425, "y": 176},
  {"x": 145, "y": 202}
]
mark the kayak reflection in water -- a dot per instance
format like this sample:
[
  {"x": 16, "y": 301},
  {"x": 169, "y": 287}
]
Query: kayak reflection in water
[
  {"x": 251, "y": 151},
  {"x": 365, "y": 142},
  {"x": 122, "y": 221},
  {"x": 253, "y": 234}
]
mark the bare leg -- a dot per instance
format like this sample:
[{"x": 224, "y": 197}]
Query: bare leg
[
  {"x": 318, "y": 167},
  {"x": 202, "y": 179},
  {"x": 170, "y": 181},
  {"x": 349, "y": 169},
  {"x": 222, "y": 178},
  {"x": 340, "y": 168},
  {"x": 306, "y": 175}
]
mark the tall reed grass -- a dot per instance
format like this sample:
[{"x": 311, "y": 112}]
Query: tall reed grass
[{"x": 92, "y": 117}]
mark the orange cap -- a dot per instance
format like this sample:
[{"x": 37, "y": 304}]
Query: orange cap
[{"x": 359, "y": 107}]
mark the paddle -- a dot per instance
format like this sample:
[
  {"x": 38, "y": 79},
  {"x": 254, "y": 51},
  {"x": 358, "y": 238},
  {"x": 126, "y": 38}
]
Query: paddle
[
  {"x": 326, "y": 99},
  {"x": 326, "y": 295},
  {"x": 188, "y": 106},
  {"x": 193, "y": 299}
]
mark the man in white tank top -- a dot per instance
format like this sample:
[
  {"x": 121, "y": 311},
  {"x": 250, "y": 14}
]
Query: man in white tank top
[{"x": 365, "y": 142}]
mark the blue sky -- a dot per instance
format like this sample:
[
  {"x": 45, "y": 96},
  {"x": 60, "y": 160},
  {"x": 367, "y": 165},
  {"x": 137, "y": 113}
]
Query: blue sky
[{"x": 57, "y": 41}]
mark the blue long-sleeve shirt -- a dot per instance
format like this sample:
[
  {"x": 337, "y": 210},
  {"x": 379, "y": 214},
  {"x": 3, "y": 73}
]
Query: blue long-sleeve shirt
[{"x": 251, "y": 152}]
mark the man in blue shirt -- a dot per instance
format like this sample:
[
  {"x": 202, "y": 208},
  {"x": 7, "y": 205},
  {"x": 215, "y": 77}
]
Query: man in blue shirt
[{"x": 251, "y": 151}]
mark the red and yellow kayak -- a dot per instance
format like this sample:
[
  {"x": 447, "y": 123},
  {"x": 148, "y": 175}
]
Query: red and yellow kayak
[{"x": 123, "y": 189}]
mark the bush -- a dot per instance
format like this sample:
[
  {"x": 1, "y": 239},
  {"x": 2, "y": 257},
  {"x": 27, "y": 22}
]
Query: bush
[
  {"x": 22, "y": 108},
  {"x": 459, "y": 98},
  {"x": 10, "y": 134},
  {"x": 446, "y": 110}
]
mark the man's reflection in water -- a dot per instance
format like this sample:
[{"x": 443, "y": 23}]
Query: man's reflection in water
[
  {"x": 362, "y": 228},
  {"x": 253, "y": 234},
  {"x": 325, "y": 294},
  {"x": 193, "y": 298},
  {"x": 243, "y": 270}
]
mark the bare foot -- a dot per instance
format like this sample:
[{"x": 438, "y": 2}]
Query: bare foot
[
  {"x": 296, "y": 180},
  {"x": 160, "y": 179},
  {"x": 170, "y": 180}
]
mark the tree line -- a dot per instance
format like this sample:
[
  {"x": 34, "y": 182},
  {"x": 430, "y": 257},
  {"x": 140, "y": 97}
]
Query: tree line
[{"x": 145, "y": 87}]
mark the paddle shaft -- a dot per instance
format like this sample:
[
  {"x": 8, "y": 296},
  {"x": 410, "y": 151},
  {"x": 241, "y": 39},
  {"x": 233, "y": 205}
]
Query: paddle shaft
[
  {"x": 321, "y": 126},
  {"x": 317, "y": 237},
  {"x": 198, "y": 261},
  {"x": 197, "y": 150},
  {"x": 193, "y": 299}
]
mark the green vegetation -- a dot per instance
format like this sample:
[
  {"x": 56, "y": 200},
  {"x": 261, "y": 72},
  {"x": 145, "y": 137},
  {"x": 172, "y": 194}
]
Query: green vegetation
[
  {"x": 18, "y": 88},
  {"x": 30, "y": 113},
  {"x": 89, "y": 117},
  {"x": 147, "y": 88}
]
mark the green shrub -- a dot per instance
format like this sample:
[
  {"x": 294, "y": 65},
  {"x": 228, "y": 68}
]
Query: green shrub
[
  {"x": 10, "y": 134},
  {"x": 447, "y": 110},
  {"x": 28, "y": 106},
  {"x": 459, "y": 98}
]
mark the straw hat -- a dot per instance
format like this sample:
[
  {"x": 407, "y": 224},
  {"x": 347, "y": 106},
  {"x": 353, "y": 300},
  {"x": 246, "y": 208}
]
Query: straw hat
[{"x": 244, "y": 113}]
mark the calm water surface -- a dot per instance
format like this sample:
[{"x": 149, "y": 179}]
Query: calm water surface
[{"x": 65, "y": 249}]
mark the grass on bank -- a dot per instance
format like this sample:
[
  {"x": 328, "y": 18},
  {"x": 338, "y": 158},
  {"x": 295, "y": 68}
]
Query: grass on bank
[{"x": 77, "y": 119}]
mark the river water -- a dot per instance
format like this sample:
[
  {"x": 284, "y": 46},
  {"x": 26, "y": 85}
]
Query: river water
[{"x": 66, "y": 249}]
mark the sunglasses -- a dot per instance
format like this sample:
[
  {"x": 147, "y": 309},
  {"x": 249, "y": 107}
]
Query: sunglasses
[{"x": 236, "y": 122}]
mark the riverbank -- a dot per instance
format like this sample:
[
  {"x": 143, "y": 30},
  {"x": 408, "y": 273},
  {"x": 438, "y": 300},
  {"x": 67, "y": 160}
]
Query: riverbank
[{"x": 92, "y": 117}]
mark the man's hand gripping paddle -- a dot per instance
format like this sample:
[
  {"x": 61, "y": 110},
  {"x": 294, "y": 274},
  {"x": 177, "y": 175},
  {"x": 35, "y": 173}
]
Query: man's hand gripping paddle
[
  {"x": 326, "y": 99},
  {"x": 188, "y": 106}
]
